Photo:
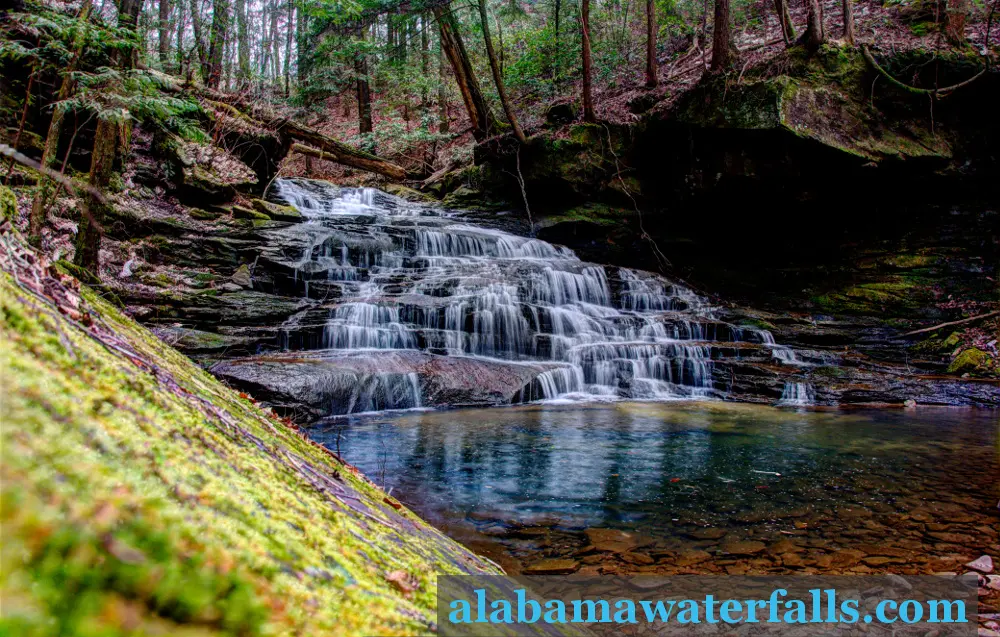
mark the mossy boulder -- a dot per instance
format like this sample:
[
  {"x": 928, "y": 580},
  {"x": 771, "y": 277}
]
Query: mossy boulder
[
  {"x": 277, "y": 211},
  {"x": 139, "y": 495},
  {"x": 820, "y": 97},
  {"x": 242, "y": 212},
  {"x": 202, "y": 172},
  {"x": 972, "y": 361},
  {"x": 408, "y": 194},
  {"x": 8, "y": 204}
]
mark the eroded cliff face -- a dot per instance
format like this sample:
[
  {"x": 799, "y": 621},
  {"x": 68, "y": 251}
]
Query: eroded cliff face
[{"x": 142, "y": 495}]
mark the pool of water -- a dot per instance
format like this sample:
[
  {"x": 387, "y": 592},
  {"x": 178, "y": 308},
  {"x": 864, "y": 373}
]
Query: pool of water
[{"x": 694, "y": 486}]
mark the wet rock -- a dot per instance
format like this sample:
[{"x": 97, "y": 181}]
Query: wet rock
[
  {"x": 846, "y": 557},
  {"x": 321, "y": 383},
  {"x": 691, "y": 557},
  {"x": 552, "y": 567},
  {"x": 612, "y": 540},
  {"x": 708, "y": 534},
  {"x": 639, "y": 559},
  {"x": 743, "y": 548},
  {"x": 242, "y": 276},
  {"x": 983, "y": 564}
]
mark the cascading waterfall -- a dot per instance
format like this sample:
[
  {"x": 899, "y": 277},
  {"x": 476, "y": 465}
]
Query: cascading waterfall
[{"x": 408, "y": 277}]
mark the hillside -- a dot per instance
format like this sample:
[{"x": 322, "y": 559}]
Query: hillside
[{"x": 141, "y": 496}]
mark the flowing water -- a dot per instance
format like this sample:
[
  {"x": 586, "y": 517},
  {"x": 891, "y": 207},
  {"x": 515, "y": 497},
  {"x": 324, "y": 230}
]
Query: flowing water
[
  {"x": 402, "y": 277},
  {"x": 910, "y": 491}
]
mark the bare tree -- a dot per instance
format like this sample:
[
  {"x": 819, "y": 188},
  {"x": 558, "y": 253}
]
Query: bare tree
[
  {"x": 814, "y": 25},
  {"x": 498, "y": 76},
  {"x": 785, "y": 20},
  {"x": 588, "y": 100},
  {"x": 484, "y": 122},
  {"x": 722, "y": 42},
  {"x": 848, "y": 22},
  {"x": 92, "y": 210}
]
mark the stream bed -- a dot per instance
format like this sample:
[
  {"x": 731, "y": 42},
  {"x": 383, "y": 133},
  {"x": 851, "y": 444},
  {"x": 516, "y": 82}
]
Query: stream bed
[{"x": 692, "y": 486}]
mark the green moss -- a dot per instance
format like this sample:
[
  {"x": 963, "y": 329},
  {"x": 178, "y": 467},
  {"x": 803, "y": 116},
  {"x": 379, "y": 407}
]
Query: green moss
[
  {"x": 760, "y": 324},
  {"x": 138, "y": 495},
  {"x": 277, "y": 211},
  {"x": 8, "y": 204},
  {"x": 203, "y": 215},
  {"x": 595, "y": 213},
  {"x": 240, "y": 212},
  {"x": 888, "y": 298},
  {"x": 408, "y": 194},
  {"x": 82, "y": 275},
  {"x": 972, "y": 361}
]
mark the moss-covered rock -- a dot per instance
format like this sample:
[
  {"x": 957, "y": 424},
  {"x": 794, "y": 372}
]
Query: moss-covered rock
[
  {"x": 201, "y": 172},
  {"x": 408, "y": 194},
  {"x": 972, "y": 361},
  {"x": 242, "y": 212},
  {"x": 8, "y": 204},
  {"x": 138, "y": 495},
  {"x": 820, "y": 97},
  {"x": 277, "y": 211}
]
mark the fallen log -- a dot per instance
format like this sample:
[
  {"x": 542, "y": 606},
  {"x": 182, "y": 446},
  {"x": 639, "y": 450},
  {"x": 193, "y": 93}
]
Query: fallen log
[{"x": 242, "y": 106}]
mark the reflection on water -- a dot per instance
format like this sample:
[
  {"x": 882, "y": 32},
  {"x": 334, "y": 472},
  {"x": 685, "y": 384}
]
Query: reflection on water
[{"x": 693, "y": 476}]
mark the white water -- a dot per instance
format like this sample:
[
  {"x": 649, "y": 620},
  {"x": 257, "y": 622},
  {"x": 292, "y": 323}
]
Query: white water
[
  {"x": 797, "y": 395},
  {"x": 414, "y": 278}
]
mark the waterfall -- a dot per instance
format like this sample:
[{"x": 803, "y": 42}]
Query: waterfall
[
  {"x": 399, "y": 276},
  {"x": 797, "y": 395}
]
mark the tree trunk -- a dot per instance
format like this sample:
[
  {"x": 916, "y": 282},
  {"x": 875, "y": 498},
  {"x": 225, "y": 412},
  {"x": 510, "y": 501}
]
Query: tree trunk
[
  {"x": 217, "y": 42},
  {"x": 955, "y": 16},
  {"x": 722, "y": 45},
  {"x": 163, "y": 34},
  {"x": 50, "y": 153},
  {"x": 651, "y": 29},
  {"x": 443, "y": 123},
  {"x": 484, "y": 122},
  {"x": 92, "y": 213},
  {"x": 179, "y": 32},
  {"x": 498, "y": 76},
  {"x": 301, "y": 25},
  {"x": 363, "y": 88},
  {"x": 785, "y": 21},
  {"x": 848, "y": 22},
  {"x": 199, "y": 41},
  {"x": 555, "y": 53},
  {"x": 425, "y": 65},
  {"x": 288, "y": 48},
  {"x": 588, "y": 101},
  {"x": 814, "y": 26},
  {"x": 128, "y": 18},
  {"x": 243, "y": 46},
  {"x": 270, "y": 26}
]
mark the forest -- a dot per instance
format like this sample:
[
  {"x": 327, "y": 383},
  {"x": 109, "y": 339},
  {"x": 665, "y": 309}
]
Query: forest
[{"x": 308, "y": 304}]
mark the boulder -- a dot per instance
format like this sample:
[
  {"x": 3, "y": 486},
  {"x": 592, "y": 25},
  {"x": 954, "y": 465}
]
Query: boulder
[
  {"x": 202, "y": 173},
  {"x": 320, "y": 383},
  {"x": 277, "y": 211}
]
